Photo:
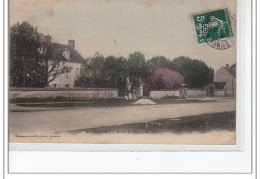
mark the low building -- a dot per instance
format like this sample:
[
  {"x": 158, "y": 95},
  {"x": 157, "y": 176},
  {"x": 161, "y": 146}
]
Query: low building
[
  {"x": 225, "y": 80},
  {"x": 73, "y": 60}
]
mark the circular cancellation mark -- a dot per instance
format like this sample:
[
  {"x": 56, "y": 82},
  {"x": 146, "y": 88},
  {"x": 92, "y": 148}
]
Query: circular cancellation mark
[{"x": 219, "y": 33}]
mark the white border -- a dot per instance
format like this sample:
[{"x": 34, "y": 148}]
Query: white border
[
  {"x": 240, "y": 115},
  {"x": 138, "y": 162}
]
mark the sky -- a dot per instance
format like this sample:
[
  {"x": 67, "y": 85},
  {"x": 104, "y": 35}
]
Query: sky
[{"x": 121, "y": 27}]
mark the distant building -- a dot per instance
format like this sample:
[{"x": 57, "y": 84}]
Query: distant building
[
  {"x": 73, "y": 59},
  {"x": 225, "y": 79}
]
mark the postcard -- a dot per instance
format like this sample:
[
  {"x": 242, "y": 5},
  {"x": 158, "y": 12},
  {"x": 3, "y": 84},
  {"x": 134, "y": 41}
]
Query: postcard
[{"x": 123, "y": 72}]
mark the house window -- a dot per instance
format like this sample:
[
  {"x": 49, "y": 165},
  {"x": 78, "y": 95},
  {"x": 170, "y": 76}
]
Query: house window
[
  {"x": 66, "y": 54},
  {"x": 67, "y": 85},
  {"x": 55, "y": 85}
]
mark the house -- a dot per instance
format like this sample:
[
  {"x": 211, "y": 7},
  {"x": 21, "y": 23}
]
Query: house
[
  {"x": 73, "y": 60},
  {"x": 225, "y": 80}
]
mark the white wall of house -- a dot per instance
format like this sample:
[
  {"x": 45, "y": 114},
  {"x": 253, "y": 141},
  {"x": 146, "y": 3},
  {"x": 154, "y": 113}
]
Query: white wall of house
[
  {"x": 222, "y": 75},
  {"x": 67, "y": 79}
]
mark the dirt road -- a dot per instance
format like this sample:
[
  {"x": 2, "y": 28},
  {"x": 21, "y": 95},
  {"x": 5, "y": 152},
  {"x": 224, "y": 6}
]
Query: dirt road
[{"x": 82, "y": 118}]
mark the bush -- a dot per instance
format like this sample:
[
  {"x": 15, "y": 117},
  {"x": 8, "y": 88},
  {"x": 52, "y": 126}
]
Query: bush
[{"x": 165, "y": 78}]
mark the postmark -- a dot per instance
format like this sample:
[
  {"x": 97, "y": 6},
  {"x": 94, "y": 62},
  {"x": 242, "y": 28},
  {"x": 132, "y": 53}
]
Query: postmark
[{"x": 216, "y": 28}]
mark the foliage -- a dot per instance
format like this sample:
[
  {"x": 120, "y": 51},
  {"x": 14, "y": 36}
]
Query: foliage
[
  {"x": 159, "y": 61},
  {"x": 25, "y": 56},
  {"x": 98, "y": 71},
  {"x": 115, "y": 69},
  {"x": 157, "y": 73},
  {"x": 55, "y": 64},
  {"x": 112, "y": 71},
  {"x": 165, "y": 78},
  {"x": 33, "y": 61},
  {"x": 91, "y": 73},
  {"x": 196, "y": 73},
  {"x": 137, "y": 65}
]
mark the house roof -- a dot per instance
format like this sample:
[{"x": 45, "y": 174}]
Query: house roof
[
  {"x": 75, "y": 57},
  {"x": 233, "y": 66},
  {"x": 232, "y": 70}
]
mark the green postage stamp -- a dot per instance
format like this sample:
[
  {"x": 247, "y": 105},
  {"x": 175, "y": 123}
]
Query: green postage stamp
[{"x": 213, "y": 27}]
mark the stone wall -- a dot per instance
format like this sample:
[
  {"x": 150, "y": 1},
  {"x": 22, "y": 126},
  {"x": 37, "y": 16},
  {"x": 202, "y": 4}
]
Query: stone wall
[
  {"x": 190, "y": 93},
  {"x": 164, "y": 93},
  {"x": 196, "y": 93},
  {"x": 219, "y": 93},
  {"x": 75, "y": 93}
]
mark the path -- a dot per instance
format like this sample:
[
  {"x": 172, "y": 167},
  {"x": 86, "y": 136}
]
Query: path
[{"x": 82, "y": 118}]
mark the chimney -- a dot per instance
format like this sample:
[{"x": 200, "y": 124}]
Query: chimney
[
  {"x": 71, "y": 44},
  {"x": 227, "y": 65},
  {"x": 47, "y": 38}
]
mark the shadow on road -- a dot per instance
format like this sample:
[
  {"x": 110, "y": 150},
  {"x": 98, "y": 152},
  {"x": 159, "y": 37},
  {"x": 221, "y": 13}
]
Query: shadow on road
[{"x": 199, "y": 123}]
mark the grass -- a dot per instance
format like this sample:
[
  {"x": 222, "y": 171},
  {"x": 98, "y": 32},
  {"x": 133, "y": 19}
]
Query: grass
[{"x": 200, "y": 123}]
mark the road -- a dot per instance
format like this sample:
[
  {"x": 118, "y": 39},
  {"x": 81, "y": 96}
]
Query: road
[{"x": 82, "y": 117}]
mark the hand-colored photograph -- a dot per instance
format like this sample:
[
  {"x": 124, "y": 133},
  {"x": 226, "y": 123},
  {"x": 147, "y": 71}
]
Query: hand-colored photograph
[{"x": 122, "y": 71}]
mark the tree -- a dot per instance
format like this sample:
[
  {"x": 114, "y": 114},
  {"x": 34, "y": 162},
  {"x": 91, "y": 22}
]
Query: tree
[
  {"x": 110, "y": 71},
  {"x": 92, "y": 73},
  {"x": 121, "y": 68},
  {"x": 84, "y": 78},
  {"x": 159, "y": 61},
  {"x": 196, "y": 73},
  {"x": 33, "y": 61},
  {"x": 54, "y": 62},
  {"x": 164, "y": 78},
  {"x": 25, "y": 56},
  {"x": 115, "y": 69},
  {"x": 103, "y": 72},
  {"x": 137, "y": 65}
]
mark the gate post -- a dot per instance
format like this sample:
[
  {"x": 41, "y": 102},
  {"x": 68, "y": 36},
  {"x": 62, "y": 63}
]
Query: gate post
[{"x": 140, "y": 89}]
